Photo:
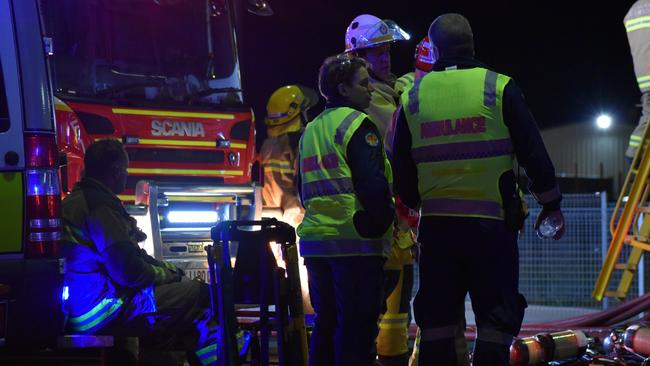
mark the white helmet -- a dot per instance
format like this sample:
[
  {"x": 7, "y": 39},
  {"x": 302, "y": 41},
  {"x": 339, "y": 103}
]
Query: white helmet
[{"x": 368, "y": 31}]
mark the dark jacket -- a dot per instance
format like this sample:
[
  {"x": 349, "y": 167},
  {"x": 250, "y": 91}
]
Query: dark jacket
[
  {"x": 103, "y": 259},
  {"x": 528, "y": 145}
]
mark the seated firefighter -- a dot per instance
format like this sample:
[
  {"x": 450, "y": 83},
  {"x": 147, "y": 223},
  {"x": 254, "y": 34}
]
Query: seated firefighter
[{"x": 114, "y": 286}]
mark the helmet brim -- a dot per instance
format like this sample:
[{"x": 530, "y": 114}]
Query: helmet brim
[
  {"x": 396, "y": 31},
  {"x": 392, "y": 33},
  {"x": 311, "y": 97}
]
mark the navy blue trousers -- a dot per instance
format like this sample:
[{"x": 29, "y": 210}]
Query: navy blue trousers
[
  {"x": 475, "y": 256},
  {"x": 346, "y": 293}
]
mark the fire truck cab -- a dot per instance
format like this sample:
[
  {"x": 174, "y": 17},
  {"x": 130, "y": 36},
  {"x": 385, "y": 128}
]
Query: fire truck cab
[{"x": 163, "y": 77}]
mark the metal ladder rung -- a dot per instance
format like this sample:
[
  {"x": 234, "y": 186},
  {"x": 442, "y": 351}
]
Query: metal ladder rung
[
  {"x": 624, "y": 266},
  {"x": 615, "y": 294},
  {"x": 640, "y": 244}
]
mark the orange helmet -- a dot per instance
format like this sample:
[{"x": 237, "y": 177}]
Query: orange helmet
[{"x": 424, "y": 59}]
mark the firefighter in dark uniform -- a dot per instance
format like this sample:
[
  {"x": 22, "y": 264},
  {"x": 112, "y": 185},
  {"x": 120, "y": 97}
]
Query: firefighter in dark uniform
[
  {"x": 637, "y": 27},
  {"x": 346, "y": 233},
  {"x": 453, "y": 158},
  {"x": 114, "y": 286}
]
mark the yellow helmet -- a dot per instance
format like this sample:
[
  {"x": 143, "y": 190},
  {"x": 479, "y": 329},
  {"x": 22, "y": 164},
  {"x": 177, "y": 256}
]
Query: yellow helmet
[{"x": 285, "y": 106}]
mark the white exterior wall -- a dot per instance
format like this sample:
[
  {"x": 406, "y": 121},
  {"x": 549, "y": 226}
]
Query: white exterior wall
[{"x": 580, "y": 149}]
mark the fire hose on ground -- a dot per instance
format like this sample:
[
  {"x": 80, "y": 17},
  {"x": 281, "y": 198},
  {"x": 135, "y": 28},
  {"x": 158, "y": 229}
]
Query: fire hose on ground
[{"x": 618, "y": 336}]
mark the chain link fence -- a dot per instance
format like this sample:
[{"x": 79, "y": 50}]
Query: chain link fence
[{"x": 563, "y": 273}]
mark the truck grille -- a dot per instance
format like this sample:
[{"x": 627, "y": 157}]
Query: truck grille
[
  {"x": 176, "y": 155},
  {"x": 132, "y": 180}
]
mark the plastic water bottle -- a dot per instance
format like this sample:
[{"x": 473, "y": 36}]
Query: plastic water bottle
[{"x": 549, "y": 227}]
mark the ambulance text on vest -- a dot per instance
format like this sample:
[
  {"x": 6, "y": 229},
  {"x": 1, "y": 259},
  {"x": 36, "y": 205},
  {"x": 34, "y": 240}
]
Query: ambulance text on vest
[{"x": 447, "y": 127}]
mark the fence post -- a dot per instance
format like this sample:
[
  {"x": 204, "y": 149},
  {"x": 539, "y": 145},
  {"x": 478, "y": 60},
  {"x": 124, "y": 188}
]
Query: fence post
[{"x": 604, "y": 243}]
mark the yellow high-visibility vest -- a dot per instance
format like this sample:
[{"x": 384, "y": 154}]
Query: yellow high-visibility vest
[
  {"x": 327, "y": 229},
  {"x": 460, "y": 143}
]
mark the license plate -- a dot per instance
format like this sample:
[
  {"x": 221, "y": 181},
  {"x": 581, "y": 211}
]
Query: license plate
[{"x": 198, "y": 274}]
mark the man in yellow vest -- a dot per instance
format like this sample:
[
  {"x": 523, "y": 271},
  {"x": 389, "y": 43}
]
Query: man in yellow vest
[
  {"x": 453, "y": 158},
  {"x": 637, "y": 27},
  {"x": 344, "y": 183},
  {"x": 424, "y": 61},
  {"x": 370, "y": 38}
]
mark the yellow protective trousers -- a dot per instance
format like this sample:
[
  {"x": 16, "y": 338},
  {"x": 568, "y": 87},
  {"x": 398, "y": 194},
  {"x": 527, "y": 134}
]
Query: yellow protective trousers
[{"x": 394, "y": 322}]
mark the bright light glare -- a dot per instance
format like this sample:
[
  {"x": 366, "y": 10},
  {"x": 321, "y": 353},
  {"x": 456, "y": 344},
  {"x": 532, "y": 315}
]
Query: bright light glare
[
  {"x": 188, "y": 217},
  {"x": 65, "y": 293},
  {"x": 604, "y": 121}
]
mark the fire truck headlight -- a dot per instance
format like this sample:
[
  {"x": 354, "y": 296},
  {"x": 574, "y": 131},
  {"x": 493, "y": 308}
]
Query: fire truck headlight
[
  {"x": 233, "y": 158},
  {"x": 191, "y": 217}
]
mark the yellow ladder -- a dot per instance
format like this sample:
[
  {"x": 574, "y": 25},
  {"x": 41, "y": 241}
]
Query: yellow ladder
[{"x": 623, "y": 229}]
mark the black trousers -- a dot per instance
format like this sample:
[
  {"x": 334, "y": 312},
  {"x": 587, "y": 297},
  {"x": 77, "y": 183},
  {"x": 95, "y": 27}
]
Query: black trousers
[
  {"x": 346, "y": 293},
  {"x": 461, "y": 255},
  {"x": 182, "y": 314}
]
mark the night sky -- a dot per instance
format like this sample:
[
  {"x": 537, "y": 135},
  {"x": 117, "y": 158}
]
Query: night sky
[{"x": 571, "y": 58}]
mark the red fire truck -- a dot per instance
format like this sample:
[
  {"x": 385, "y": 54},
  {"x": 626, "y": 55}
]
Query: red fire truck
[{"x": 163, "y": 77}]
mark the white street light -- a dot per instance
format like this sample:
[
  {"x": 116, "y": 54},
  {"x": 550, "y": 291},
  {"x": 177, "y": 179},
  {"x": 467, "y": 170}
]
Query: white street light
[{"x": 604, "y": 121}]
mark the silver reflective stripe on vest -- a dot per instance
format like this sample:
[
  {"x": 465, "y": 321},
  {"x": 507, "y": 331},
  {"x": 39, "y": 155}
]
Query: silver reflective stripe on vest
[
  {"x": 414, "y": 98},
  {"x": 490, "y": 89},
  {"x": 327, "y": 187},
  {"x": 462, "y": 151},
  {"x": 333, "y": 248},
  {"x": 459, "y": 206},
  {"x": 343, "y": 127}
]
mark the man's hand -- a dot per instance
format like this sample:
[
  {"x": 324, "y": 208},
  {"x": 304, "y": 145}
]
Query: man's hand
[{"x": 557, "y": 216}]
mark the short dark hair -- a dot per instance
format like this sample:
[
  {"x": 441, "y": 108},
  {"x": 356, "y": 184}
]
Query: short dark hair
[
  {"x": 101, "y": 155},
  {"x": 452, "y": 34},
  {"x": 336, "y": 70}
]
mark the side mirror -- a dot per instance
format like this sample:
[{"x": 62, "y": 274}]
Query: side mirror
[{"x": 259, "y": 7}]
